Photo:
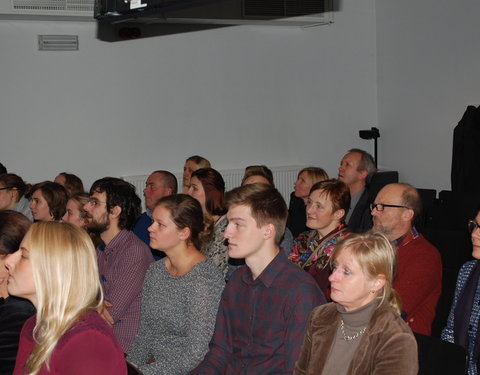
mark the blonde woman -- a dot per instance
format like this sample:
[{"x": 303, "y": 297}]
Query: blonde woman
[
  {"x": 56, "y": 269},
  {"x": 361, "y": 332},
  {"x": 192, "y": 164}
]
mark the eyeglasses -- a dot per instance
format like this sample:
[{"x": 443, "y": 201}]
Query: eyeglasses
[
  {"x": 381, "y": 206},
  {"x": 6, "y": 188},
  {"x": 472, "y": 225},
  {"x": 94, "y": 202}
]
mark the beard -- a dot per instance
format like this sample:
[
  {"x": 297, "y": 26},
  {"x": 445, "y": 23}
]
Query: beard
[
  {"x": 98, "y": 226},
  {"x": 381, "y": 228}
]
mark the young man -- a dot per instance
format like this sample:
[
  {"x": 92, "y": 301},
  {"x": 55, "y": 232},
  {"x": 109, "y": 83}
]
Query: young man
[
  {"x": 123, "y": 259},
  {"x": 265, "y": 305}
]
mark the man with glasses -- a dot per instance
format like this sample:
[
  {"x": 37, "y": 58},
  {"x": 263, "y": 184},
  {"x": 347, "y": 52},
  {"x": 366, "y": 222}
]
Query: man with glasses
[
  {"x": 123, "y": 259},
  {"x": 419, "y": 271}
]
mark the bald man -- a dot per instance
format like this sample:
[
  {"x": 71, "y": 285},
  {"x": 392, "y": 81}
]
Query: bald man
[{"x": 419, "y": 272}]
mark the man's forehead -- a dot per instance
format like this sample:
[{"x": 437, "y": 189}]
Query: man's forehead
[
  {"x": 390, "y": 193},
  {"x": 239, "y": 211},
  {"x": 352, "y": 157},
  {"x": 98, "y": 194}
]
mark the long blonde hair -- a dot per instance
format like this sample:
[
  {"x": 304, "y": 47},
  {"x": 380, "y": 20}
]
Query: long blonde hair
[
  {"x": 376, "y": 256},
  {"x": 67, "y": 284}
]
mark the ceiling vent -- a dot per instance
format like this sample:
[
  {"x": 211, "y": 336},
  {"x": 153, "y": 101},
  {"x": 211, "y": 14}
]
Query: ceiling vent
[{"x": 81, "y": 10}]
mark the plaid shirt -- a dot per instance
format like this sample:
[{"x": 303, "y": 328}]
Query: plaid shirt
[
  {"x": 122, "y": 265},
  {"x": 260, "y": 323}
]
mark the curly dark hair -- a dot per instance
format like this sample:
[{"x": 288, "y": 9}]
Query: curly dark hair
[{"x": 122, "y": 194}]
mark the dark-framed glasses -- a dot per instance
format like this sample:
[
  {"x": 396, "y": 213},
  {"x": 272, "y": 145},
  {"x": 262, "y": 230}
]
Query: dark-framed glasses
[
  {"x": 472, "y": 225},
  {"x": 6, "y": 188},
  {"x": 381, "y": 206}
]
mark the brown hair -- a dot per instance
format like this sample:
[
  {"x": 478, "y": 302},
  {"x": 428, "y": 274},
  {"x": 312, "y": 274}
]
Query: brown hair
[
  {"x": 12, "y": 181},
  {"x": 258, "y": 170},
  {"x": 411, "y": 199},
  {"x": 13, "y": 226},
  {"x": 56, "y": 197},
  {"x": 73, "y": 183},
  {"x": 214, "y": 187},
  {"x": 266, "y": 204},
  {"x": 337, "y": 192},
  {"x": 186, "y": 212}
]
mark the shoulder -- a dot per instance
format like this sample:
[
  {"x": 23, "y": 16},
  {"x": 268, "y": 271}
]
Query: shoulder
[
  {"x": 386, "y": 321},
  {"x": 130, "y": 246},
  {"x": 87, "y": 327},
  {"x": 420, "y": 250},
  {"x": 324, "y": 314}
]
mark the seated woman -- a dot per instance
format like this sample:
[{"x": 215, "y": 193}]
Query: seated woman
[
  {"x": 13, "y": 311},
  {"x": 463, "y": 321},
  {"x": 361, "y": 332},
  {"x": 48, "y": 201},
  {"x": 307, "y": 177},
  {"x": 327, "y": 206},
  {"x": 75, "y": 213},
  {"x": 208, "y": 188},
  {"x": 72, "y": 184},
  {"x": 56, "y": 269},
  {"x": 181, "y": 292},
  {"x": 192, "y": 164},
  {"x": 13, "y": 191}
]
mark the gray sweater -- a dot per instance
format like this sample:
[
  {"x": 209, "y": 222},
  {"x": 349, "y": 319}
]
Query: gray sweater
[{"x": 177, "y": 319}]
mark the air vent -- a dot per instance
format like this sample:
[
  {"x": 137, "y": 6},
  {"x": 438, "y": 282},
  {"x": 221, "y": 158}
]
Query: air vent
[
  {"x": 54, "y": 5},
  {"x": 58, "y": 42}
]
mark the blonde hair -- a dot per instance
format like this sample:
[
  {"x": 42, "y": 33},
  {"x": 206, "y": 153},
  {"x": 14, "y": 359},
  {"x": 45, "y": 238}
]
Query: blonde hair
[
  {"x": 67, "y": 284},
  {"x": 376, "y": 256},
  {"x": 315, "y": 173}
]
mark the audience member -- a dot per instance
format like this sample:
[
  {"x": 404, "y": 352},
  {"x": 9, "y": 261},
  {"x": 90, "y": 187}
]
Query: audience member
[
  {"x": 13, "y": 310},
  {"x": 56, "y": 269},
  {"x": 191, "y": 165},
  {"x": 463, "y": 321},
  {"x": 419, "y": 276},
  {"x": 48, "y": 201},
  {"x": 13, "y": 191},
  {"x": 261, "y": 174},
  {"x": 297, "y": 217},
  {"x": 180, "y": 294},
  {"x": 123, "y": 259},
  {"x": 362, "y": 331},
  {"x": 266, "y": 303},
  {"x": 75, "y": 213},
  {"x": 70, "y": 182},
  {"x": 356, "y": 167},
  {"x": 208, "y": 188},
  {"x": 258, "y": 174},
  {"x": 158, "y": 185},
  {"x": 327, "y": 205}
]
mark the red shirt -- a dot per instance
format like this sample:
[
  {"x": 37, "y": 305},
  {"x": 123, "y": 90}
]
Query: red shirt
[{"x": 88, "y": 347}]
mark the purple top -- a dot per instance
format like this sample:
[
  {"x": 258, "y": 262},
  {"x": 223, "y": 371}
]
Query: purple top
[{"x": 122, "y": 265}]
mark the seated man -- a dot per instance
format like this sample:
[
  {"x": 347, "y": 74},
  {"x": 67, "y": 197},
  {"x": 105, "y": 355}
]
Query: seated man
[
  {"x": 356, "y": 167},
  {"x": 265, "y": 305},
  {"x": 123, "y": 259},
  {"x": 419, "y": 273},
  {"x": 158, "y": 185}
]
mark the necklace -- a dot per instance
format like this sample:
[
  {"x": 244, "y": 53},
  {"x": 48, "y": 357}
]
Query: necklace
[{"x": 350, "y": 338}]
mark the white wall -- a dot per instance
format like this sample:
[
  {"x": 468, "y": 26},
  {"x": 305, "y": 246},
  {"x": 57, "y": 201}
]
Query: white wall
[
  {"x": 238, "y": 95},
  {"x": 428, "y": 73}
]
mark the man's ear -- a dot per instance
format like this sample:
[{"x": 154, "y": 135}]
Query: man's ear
[
  {"x": 115, "y": 212},
  {"x": 408, "y": 214},
  {"x": 364, "y": 174},
  {"x": 269, "y": 231}
]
